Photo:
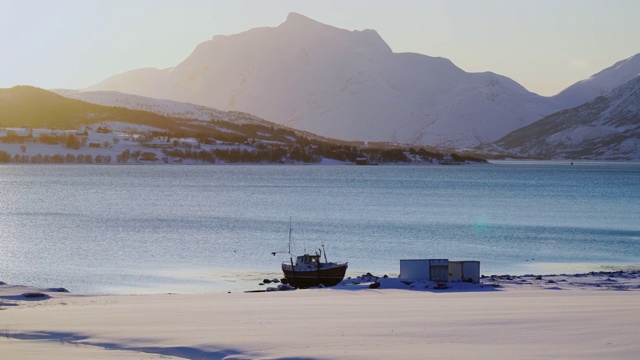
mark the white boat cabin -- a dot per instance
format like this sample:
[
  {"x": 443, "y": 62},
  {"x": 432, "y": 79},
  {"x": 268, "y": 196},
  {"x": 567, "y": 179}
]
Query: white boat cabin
[{"x": 304, "y": 262}]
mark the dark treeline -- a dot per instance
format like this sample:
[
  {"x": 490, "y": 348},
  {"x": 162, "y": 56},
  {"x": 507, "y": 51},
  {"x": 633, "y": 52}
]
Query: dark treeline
[
  {"x": 270, "y": 155},
  {"x": 5, "y": 157}
]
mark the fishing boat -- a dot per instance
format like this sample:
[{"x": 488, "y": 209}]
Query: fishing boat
[{"x": 309, "y": 270}]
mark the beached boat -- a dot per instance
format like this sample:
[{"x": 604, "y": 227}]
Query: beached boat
[{"x": 309, "y": 270}]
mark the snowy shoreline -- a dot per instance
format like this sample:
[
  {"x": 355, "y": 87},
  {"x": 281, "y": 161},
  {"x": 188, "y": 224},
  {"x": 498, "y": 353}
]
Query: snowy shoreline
[
  {"x": 591, "y": 315},
  {"x": 595, "y": 280}
]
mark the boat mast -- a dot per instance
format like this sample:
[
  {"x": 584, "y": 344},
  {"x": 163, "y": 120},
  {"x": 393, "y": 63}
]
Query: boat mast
[
  {"x": 325, "y": 253},
  {"x": 290, "y": 235}
]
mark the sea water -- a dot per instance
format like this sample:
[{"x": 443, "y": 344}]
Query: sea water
[{"x": 150, "y": 229}]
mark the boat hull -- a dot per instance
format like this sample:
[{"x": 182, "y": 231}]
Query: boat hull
[{"x": 305, "y": 279}]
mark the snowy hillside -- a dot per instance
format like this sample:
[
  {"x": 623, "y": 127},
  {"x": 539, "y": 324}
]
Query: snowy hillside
[
  {"x": 160, "y": 106},
  {"x": 41, "y": 127},
  {"x": 607, "y": 128},
  {"x": 600, "y": 84},
  {"x": 342, "y": 84}
]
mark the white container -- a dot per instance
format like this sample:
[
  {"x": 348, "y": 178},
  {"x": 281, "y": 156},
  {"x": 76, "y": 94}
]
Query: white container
[
  {"x": 425, "y": 269},
  {"x": 466, "y": 270}
]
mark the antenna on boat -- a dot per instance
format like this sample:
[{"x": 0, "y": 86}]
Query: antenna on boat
[
  {"x": 324, "y": 252},
  {"x": 290, "y": 229},
  {"x": 282, "y": 252}
]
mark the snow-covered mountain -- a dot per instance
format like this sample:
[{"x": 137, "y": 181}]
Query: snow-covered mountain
[
  {"x": 607, "y": 128},
  {"x": 342, "y": 84},
  {"x": 600, "y": 84}
]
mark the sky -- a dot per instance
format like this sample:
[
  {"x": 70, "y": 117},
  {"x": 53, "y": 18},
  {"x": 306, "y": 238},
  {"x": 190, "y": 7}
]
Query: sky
[{"x": 545, "y": 45}]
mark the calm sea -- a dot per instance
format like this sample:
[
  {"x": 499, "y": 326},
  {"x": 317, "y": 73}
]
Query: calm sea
[{"x": 150, "y": 229}]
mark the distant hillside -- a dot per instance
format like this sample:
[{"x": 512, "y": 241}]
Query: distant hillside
[
  {"x": 38, "y": 126},
  {"x": 37, "y": 108},
  {"x": 185, "y": 111},
  {"x": 607, "y": 128},
  {"x": 31, "y": 107},
  {"x": 164, "y": 107},
  {"x": 600, "y": 84}
]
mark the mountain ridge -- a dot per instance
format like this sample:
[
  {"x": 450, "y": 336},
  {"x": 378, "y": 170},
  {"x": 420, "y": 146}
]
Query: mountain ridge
[
  {"x": 350, "y": 85},
  {"x": 342, "y": 84},
  {"x": 606, "y": 128},
  {"x": 28, "y": 105},
  {"x": 600, "y": 83}
]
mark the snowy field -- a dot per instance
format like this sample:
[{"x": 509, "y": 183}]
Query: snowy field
[{"x": 584, "y": 316}]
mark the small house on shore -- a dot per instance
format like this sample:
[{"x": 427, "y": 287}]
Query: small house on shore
[
  {"x": 449, "y": 160},
  {"x": 365, "y": 161},
  {"x": 362, "y": 161}
]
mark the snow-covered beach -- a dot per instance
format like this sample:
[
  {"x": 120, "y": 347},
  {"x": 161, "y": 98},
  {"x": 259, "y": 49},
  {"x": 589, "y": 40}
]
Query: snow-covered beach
[{"x": 580, "y": 316}]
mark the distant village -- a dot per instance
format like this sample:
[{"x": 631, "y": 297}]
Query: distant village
[{"x": 124, "y": 143}]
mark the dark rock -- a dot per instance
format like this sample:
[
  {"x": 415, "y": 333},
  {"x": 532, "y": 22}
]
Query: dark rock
[
  {"x": 374, "y": 285},
  {"x": 32, "y": 295},
  {"x": 266, "y": 281},
  {"x": 285, "y": 287}
]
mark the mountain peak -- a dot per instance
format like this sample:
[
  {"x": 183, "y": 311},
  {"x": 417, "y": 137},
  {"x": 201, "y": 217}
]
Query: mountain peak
[
  {"x": 298, "y": 25},
  {"x": 294, "y": 17},
  {"x": 299, "y": 22}
]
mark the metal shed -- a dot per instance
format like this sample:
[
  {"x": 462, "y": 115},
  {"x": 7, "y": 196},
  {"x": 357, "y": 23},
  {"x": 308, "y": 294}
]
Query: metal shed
[
  {"x": 425, "y": 269},
  {"x": 416, "y": 269},
  {"x": 439, "y": 270},
  {"x": 464, "y": 270}
]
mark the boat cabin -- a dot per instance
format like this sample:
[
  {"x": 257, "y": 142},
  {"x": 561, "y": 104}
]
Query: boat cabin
[
  {"x": 306, "y": 262},
  {"x": 308, "y": 259}
]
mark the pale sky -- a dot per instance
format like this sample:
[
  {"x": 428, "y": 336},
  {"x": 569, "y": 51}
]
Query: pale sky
[{"x": 545, "y": 45}]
